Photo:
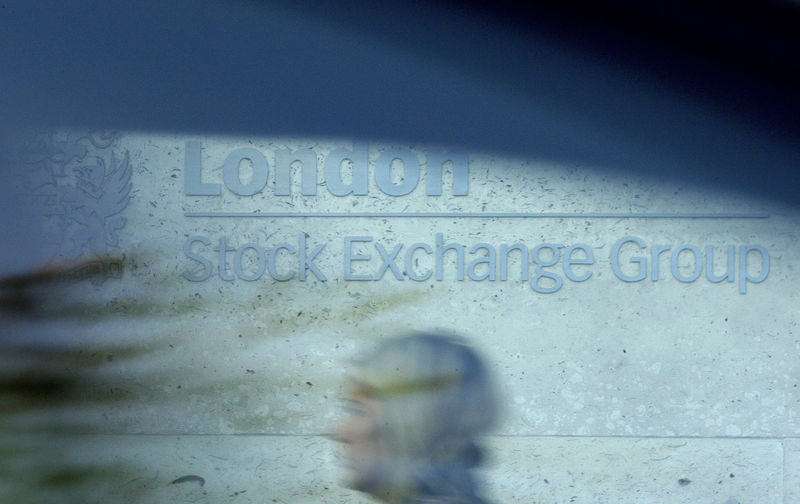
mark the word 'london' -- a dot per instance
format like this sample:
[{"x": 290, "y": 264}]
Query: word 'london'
[{"x": 356, "y": 158}]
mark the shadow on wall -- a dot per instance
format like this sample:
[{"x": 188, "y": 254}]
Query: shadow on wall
[{"x": 625, "y": 86}]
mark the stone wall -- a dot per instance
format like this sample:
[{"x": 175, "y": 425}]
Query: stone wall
[{"x": 214, "y": 353}]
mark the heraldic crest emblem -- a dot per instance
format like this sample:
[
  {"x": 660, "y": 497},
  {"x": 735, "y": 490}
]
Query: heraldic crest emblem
[{"x": 82, "y": 185}]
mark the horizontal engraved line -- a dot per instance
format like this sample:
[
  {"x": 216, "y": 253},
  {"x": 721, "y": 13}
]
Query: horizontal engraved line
[
  {"x": 332, "y": 437},
  {"x": 478, "y": 215}
]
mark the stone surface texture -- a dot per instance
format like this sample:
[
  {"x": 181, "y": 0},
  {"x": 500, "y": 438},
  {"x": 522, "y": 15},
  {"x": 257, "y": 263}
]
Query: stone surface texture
[{"x": 654, "y": 391}]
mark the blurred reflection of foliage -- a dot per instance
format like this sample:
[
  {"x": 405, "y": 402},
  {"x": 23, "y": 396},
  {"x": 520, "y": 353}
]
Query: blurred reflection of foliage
[
  {"x": 49, "y": 385},
  {"x": 70, "y": 371}
]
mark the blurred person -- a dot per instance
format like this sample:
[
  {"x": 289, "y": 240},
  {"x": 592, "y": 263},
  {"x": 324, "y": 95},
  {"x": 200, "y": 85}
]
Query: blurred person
[{"x": 417, "y": 405}]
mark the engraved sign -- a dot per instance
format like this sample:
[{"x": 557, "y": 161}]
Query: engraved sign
[{"x": 356, "y": 171}]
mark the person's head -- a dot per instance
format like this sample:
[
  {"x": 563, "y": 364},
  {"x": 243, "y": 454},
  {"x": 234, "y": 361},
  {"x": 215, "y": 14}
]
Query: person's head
[{"x": 418, "y": 404}]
